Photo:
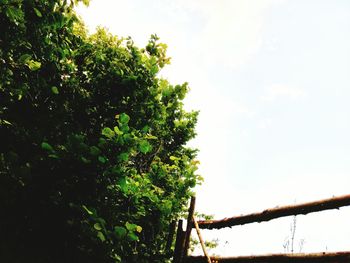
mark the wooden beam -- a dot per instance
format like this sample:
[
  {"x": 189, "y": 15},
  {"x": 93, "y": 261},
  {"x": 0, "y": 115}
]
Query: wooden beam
[
  {"x": 336, "y": 257},
  {"x": 277, "y": 212}
]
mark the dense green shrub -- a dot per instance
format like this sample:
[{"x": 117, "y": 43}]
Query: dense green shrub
[{"x": 93, "y": 162}]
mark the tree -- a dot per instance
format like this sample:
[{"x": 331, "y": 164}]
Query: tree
[{"x": 93, "y": 159}]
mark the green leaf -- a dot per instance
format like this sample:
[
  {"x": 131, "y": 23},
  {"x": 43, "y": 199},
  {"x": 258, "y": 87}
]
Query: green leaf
[
  {"x": 84, "y": 160},
  {"x": 145, "y": 147},
  {"x": 117, "y": 131},
  {"x": 108, "y": 132},
  {"x": 123, "y": 157},
  {"x": 87, "y": 210},
  {"x": 46, "y": 146},
  {"x": 86, "y": 2},
  {"x": 122, "y": 182},
  {"x": 130, "y": 227},
  {"x": 167, "y": 91},
  {"x": 94, "y": 150},
  {"x": 102, "y": 142},
  {"x": 120, "y": 232},
  {"x": 145, "y": 128},
  {"x": 101, "y": 236},
  {"x": 54, "y": 90},
  {"x": 14, "y": 14},
  {"x": 132, "y": 237},
  {"x": 154, "y": 69},
  {"x": 133, "y": 227},
  {"x": 24, "y": 58},
  {"x": 127, "y": 137},
  {"x": 116, "y": 170},
  {"x": 124, "y": 118},
  {"x": 167, "y": 206},
  {"x": 124, "y": 128},
  {"x": 37, "y": 12},
  {"x": 102, "y": 159},
  {"x": 97, "y": 226}
]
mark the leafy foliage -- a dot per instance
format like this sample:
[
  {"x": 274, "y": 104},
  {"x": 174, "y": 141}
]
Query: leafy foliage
[{"x": 93, "y": 163}]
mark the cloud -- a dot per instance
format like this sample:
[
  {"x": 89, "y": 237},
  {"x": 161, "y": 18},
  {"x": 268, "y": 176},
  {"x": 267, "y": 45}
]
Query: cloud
[
  {"x": 264, "y": 123},
  {"x": 228, "y": 32},
  {"x": 232, "y": 33},
  {"x": 276, "y": 91}
]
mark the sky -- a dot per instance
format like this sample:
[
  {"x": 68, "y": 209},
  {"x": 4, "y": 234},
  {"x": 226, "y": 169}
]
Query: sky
[{"x": 271, "y": 79}]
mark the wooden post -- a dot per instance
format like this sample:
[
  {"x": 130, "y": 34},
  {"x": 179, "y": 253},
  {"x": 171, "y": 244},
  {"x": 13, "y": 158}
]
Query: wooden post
[
  {"x": 189, "y": 227},
  {"x": 171, "y": 233},
  {"x": 179, "y": 243}
]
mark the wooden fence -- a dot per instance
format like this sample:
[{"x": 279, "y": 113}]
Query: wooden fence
[{"x": 181, "y": 253}]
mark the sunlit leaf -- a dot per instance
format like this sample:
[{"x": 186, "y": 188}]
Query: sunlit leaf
[
  {"x": 33, "y": 65},
  {"x": 87, "y": 210},
  {"x": 117, "y": 131},
  {"x": 138, "y": 229},
  {"x": 97, "y": 226},
  {"x": 130, "y": 227},
  {"x": 37, "y": 12},
  {"x": 108, "y": 132},
  {"x": 101, "y": 236},
  {"x": 5, "y": 122}
]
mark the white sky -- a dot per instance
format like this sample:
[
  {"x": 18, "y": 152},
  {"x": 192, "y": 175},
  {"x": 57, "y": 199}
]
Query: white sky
[{"x": 271, "y": 79}]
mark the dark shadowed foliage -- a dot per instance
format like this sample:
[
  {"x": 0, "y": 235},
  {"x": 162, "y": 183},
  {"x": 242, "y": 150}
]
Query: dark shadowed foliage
[{"x": 93, "y": 162}]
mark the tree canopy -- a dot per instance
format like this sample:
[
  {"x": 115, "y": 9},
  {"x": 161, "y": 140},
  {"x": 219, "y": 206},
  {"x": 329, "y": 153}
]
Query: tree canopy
[{"x": 94, "y": 165}]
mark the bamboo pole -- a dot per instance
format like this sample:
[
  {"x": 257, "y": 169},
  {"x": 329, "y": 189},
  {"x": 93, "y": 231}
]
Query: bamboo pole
[
  {"x": 277, "y": 212},
  {"x": 201, "y": 241}
]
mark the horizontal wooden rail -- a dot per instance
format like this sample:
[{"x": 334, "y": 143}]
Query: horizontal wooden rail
[
  {"x": 336, "y": 257},
  {"x": 277, "y": 212}
]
